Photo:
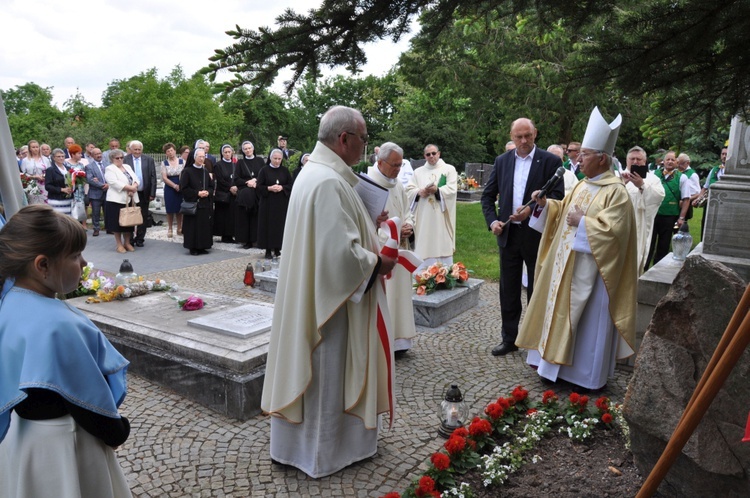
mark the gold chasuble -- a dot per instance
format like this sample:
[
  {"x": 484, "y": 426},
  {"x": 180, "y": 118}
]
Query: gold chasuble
[
  {"x": 551, "y": 319},
  {"x": 332, "y": 241}
]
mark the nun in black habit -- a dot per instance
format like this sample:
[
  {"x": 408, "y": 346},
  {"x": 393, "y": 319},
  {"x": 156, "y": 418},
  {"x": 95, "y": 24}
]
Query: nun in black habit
[
  {"x": 197, "y": 185},
  {"x": 246, "y": 174}
]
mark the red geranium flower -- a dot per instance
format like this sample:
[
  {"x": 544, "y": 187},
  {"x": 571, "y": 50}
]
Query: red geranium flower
[
  {"x": 548, "y": 396},
  {"x": 392, "y": 494},
  {"x": 494, "y": 410},
  {"x": 510, "y": 400},
  {"x": 607, "y": 418},
  {"x": 480, "y": 427},
  {"x": 461, "y": 432},
  {"x": 427, "y": 484},
  {"x": 441, "y": 461},
  {"x": 455, "y": 444},
  {"x": 603, "y": 403},
  {"x": 574, "y": 398},
  {"x": 530, "y": 411},
  {"x": 520, "y": 394},
  {"x": 472, "y": 444},
  {"x": 504, "y": 404}
]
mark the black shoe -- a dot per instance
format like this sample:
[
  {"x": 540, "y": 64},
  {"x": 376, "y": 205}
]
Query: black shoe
[
  {"x": 227, "y": 240},
  {"x": 268, "y": 255},
  {"x": 138, "y": 243},
  {"x": 277, "y": 253},
  {"x": 504, "y": 348},
  {"x": 202, "y": 251},
  {"x": 401, "y": 353},
  {"x": 247, "y": 246},
  {"x": 96, "y": 232},
  {"x": 194, "y": 252}
]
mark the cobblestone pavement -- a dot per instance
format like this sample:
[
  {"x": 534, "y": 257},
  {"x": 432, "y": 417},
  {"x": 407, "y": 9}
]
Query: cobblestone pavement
[{"x": 178, "y": 448}]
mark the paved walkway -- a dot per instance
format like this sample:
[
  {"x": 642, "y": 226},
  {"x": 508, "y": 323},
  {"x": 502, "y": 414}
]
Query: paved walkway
[{"x": 180, "y": 449}]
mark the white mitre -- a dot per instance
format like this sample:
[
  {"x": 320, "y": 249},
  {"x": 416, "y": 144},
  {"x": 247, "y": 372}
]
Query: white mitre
[{"x": 600, "y": 135}]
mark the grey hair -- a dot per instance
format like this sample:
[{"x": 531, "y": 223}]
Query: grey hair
[
  {"x": 638, "y": 149},
  {"x": 337, "y": 120},
  {"x": 133, "y": 143},
  {"x": 57, "y": 150},
  {"x": 274, "y": 151},
  {"x": 387, "y": 148},
  {"x": 554, "y": 147},
  {"x": 115, "y": 152},
  {"x": 684, "y": 157}
]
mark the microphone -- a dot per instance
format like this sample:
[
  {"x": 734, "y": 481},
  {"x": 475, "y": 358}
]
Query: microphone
[{"x": 554, "y": 180}]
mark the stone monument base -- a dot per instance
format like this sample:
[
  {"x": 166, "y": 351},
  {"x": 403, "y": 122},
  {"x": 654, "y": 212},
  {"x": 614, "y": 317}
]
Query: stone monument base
[
  {"x": 430, "y": 311},
  {"x": 222, "y": 371}
]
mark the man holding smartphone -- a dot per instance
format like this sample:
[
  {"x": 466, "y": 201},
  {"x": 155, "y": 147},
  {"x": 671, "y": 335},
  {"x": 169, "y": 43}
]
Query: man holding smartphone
[{"x": 646, "y": 193}]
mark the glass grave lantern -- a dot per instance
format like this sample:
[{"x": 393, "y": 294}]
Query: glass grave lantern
[{"x": 452, "y": 411}]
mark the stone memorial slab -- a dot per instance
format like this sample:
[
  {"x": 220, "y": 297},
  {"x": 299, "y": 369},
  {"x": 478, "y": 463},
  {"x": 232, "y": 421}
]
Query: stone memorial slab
[
  {"x": 267, "y": 280},
  {"x": 244, "y": 321},
  {"x": 432, "y": 310}
]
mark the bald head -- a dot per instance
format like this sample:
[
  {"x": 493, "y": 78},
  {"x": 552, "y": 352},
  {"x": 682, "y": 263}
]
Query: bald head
[{"x": 523, "y": 134}]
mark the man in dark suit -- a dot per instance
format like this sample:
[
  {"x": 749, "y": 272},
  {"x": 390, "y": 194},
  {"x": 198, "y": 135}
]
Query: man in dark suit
[
  {"x": 145, "y": 170},
  {"x": 97, "y": 187},
  {"x": 515, "y": 175}
]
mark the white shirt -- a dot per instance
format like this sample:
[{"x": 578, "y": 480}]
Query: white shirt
[{"x": 520, "y": 177}]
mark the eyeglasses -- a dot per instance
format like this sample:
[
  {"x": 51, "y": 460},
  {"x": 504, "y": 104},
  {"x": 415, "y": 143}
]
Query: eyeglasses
[
  {"x": 573, "y": 150},
  {"x": 430, "y": 154},
  {"x": 365, "y": 139},
  {"x": 118, "y": 157},
  {"x": 392, "y": 165}
]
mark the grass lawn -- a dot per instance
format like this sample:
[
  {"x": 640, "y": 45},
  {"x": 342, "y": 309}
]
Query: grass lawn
[{"x": 476, "y": 247}]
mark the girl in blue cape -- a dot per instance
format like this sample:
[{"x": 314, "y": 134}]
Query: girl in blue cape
[{"x": 61, "y": 381}]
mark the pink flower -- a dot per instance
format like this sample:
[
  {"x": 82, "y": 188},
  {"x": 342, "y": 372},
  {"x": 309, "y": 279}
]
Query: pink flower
[
  {"x": 421, "y": 290},
  {"x": 192, "y": 303}
]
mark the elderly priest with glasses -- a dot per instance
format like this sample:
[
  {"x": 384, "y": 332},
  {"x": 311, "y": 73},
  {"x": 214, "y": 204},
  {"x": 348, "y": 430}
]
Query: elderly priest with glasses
[{"x": 576, "y": 327}]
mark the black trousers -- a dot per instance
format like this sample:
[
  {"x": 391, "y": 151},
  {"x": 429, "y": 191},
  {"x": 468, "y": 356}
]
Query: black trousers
[
  {"x": 521, "y": 247},
  {"x": 661, "y": 238},
  {"x": 140, "y": 230}
]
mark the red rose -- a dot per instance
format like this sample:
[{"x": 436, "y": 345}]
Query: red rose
[
  {"x": 192, "y": 303},
  {"x": 607, "y": 418},
  {"x": 574, "y": 397},
  {"x": 441, "y": 461},
  {"x": 480, "y": 427},
  {"x": 455, "y": 444},
  {"x": 494, "y": 411},
  {"x": 520, "y": 394}
]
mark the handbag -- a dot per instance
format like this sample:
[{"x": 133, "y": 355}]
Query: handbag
[
  {"x": 130, "y": 215},
  {"x": 188, "y": 208},
  {"x": 222, "y": 197},
  {"x": 78, "y": 211}
]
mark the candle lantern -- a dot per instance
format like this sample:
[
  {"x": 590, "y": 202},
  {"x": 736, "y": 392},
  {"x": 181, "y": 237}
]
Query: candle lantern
[
  {"x": 249, "y": 275},
  {"x": 126, "y": 275},
  {"x": 453, "y": 411}
]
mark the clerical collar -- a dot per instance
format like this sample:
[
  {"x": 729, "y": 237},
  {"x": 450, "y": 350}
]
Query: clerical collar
[
  {"x": 274, "y": 167},
  {"x": 224, "y": 160},
  {"x": 392, "y": 181},
  {"x": 199, "y": 166}
]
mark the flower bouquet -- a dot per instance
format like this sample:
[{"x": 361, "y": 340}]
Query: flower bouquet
[
  {"x": 467, "y": 183},
  {"x": 78, "y": 177},
  {"x": 439, "y": 276},
  {"x": 192, "y": 303}
]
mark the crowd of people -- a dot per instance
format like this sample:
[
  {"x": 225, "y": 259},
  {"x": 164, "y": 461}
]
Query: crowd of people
[
  {"x": 343, "y": 302},
  {"x": 241, "y": 199}
]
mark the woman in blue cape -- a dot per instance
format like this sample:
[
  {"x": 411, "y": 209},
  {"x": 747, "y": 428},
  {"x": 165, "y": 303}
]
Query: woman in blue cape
[{"x": 61, "y": 381}]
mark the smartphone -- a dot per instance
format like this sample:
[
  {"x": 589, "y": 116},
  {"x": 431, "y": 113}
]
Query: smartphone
[{"x": 642, "y": 171}]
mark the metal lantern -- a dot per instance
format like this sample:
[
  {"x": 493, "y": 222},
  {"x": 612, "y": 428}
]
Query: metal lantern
[{"x": 453, "y": 411}]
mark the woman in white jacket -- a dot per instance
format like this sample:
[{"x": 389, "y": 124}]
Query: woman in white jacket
[{"x": 123, "y": 186}]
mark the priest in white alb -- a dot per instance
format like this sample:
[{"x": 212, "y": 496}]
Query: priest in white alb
[
  {"x": 646, "y": 193},
  {"x": 329, "y": 372},
  {"x": 432, "y": 194},
  {"x": 581, "y": 317},
  {"x": 398, "y": 288}
]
